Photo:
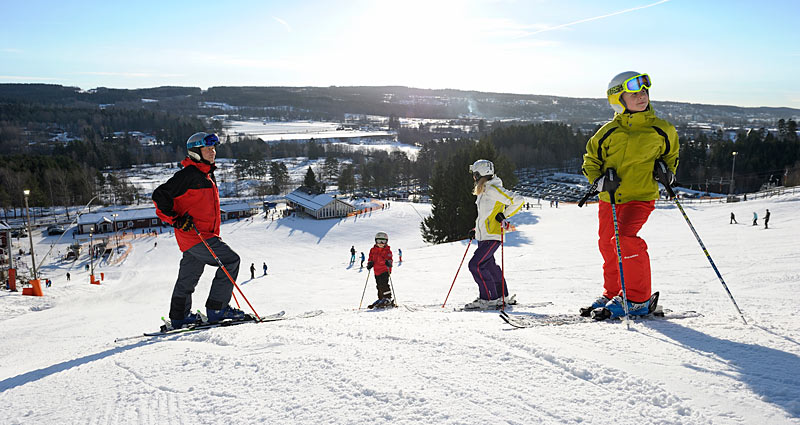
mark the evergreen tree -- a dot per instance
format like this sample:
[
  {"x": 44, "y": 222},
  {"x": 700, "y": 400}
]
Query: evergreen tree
[
  {"x": 347, "y": 179},
  {"x": 280, "y": 177},
  {"x": 453, "y": 211},
  {"x": 310, "y": 180},
  {"x": 331, "y": 168}
]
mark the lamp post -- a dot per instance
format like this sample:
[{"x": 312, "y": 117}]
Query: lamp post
[
  {"x": 27, "y": 193},
  {"x": 733, "y": 167},
  {"x": 116, "y": 235},
  {"x": 91, "y": 254}
]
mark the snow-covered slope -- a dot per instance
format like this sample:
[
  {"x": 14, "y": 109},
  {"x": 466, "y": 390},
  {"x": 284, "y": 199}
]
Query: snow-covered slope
[{"x": 60, "y": 363}]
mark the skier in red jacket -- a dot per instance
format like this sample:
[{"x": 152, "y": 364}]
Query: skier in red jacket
[
  {"x": 189, "y": 201},
  {"x": 380, "y": 257}
]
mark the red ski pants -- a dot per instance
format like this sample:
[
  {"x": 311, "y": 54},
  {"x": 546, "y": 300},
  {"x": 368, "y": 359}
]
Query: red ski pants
[{"x": 631, "y": 216}]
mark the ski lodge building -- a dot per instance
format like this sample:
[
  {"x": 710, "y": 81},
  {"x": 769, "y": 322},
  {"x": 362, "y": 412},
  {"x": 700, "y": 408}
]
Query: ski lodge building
[
  {"x": 105, "y": 222},
  {"x": 318, "y": 206}
]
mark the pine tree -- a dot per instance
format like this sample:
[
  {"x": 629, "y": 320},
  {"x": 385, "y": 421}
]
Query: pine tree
[
  {"x": 310, "y": 180},
  {"x": 453, "y": 211}
]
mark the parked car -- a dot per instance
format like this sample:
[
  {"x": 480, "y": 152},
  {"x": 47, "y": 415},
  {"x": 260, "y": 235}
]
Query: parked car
[
  {"x": 19, "y": 233},
  {"x": 55, "y": 230}
]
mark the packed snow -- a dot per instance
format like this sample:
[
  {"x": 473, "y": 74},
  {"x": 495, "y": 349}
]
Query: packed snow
[{"x": 432, "y": 365}]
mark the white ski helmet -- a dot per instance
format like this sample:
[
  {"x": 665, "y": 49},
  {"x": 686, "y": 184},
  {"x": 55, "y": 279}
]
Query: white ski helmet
[
  {"x": 628, "y": 81},
  {"x": 197, "y": 141},
  {"x": 381, "y": 236},
  {"x": 482, "y": 168}
]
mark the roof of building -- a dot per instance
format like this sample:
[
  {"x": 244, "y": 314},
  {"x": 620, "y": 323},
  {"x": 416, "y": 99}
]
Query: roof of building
[
  {"x": 236, "y": 206},
  {"x": 122, "y": 215},
  {"x": 302, "y": 197}
]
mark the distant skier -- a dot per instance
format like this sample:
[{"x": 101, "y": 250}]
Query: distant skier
[
  {"x": 252, "y": 271},
  {"x": 733, "y": 219},
  {"x": 352, "y": 255},
  {"x": 399, "y": 255},
  {"x": 638, "y": 146},
  {"x": 362, "y": 260},
  {"x": 380, "y": 257},
  {"x": 68, "y": 277},
  {"x": 265, "y": 268},
  {"x": 766, "y": 220},
  {"x": 755, "y": 218},
  {"x": 189, "y": 201},
  {"x": 493, "y": 203}
]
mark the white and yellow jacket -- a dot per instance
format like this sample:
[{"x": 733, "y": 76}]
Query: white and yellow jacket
[{"x": 493, "y": 200}]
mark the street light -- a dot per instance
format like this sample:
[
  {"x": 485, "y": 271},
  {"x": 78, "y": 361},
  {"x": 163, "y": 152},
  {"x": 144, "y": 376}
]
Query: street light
[
  {"x": 27, "y": 193},
  {"x": 733, "y": 167},
  {"x": 116, "y": 235},
  {"x": 91, "y": 254}
]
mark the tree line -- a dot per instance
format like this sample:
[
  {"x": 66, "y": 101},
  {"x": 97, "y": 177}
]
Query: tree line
[{"x": 762, "y": 157}]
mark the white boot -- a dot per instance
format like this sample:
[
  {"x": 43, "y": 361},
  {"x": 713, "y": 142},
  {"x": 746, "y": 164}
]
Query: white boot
[{"x": 478, "y": 304}]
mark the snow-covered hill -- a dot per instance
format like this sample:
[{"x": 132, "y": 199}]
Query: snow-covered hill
[{"x": 60, "y": 364}]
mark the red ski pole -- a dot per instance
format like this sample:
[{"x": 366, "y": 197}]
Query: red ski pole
[
  {"x": 225, "y": 270},
  {"x": 459, "y": 269}
]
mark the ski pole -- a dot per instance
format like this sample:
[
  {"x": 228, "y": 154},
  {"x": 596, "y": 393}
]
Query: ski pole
[
  {"x": 458, "y": 270},
  {"x": 502, "y": 268},
  {"x": 391, "y": 286},
  {"x": 591, "y": 192},
  {"x": 664, "y": 181},
  {"x": 225, "y": 270},
  {"x": 619, "y": 255},
  {"x": 365, "y": 289}
]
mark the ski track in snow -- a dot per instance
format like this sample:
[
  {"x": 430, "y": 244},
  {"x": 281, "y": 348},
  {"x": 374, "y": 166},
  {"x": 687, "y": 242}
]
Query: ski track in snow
[{"x": 433, "y": 366}]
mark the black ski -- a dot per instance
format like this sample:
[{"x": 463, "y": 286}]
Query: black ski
[{"x": 281, "y": 315}]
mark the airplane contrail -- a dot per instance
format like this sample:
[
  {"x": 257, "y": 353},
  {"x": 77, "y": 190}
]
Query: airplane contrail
[
  {"x": 284, "y": 23},
  {"x": 597, "y": 17}
]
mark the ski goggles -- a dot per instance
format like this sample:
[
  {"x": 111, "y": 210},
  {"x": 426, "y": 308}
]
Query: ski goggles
[
  {"x": 381, "y": 240},
  {"x": 210, "y": 140},
  {"x": 632, "y": 85}
]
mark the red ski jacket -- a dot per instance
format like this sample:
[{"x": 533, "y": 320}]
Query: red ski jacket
[
  {"x": 194, "y": 190},
  {"x": 378, "y": 256}
]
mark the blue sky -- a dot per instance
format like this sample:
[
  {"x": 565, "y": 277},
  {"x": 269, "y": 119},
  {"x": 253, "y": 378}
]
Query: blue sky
[{"x": 736, "y": 52}]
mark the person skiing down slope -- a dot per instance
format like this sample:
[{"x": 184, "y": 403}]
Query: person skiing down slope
[
  {"x": 633, "y": 144},
  {"x": 495, "y": 204},
  {"x": 189, "y": 200},
  {"x": 380, "y": 257}
]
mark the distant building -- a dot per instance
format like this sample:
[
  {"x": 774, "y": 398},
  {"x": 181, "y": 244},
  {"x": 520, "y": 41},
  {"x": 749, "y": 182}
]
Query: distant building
[
  {"x": 109, "y": 221},
  {"x": 318, "y": 206},
  {"x": 237, "y": 210}
]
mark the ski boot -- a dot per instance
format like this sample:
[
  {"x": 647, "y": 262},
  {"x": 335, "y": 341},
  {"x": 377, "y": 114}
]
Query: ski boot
[
  {"x": 598, "y": 303},
  {"x": 226, "y": 313},
  {"x": 615, "y": 309},
  {"x": 189, "y": 320}
]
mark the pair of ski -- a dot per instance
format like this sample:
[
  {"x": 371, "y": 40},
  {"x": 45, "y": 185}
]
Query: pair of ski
[
  {"x": 437, "y": 307},
  {"x": 529, "y": 320},
  {"x": 281, "y": 315}
]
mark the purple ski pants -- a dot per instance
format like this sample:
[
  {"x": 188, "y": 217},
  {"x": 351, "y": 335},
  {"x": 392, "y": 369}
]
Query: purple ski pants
[{"x": 486, "y": 272}]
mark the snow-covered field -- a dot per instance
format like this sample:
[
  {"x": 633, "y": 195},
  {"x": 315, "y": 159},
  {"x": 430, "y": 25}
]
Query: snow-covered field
[{"x": 60, "y": 364}]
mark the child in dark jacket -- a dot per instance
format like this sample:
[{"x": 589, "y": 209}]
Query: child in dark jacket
[{"x": 380, "y": 257}]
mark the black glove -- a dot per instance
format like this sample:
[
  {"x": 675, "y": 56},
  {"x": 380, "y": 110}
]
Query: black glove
[
  {"x": 369, "y": 265},
  {"x": 608, "y": 182},
  {"x": 500, "y": 217},
  {"x": 662, "y": 174},
  {"x": 184, "y": 222},
  {"x": 388, "y": 263},
  {"x": 472, "y": 233}
]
